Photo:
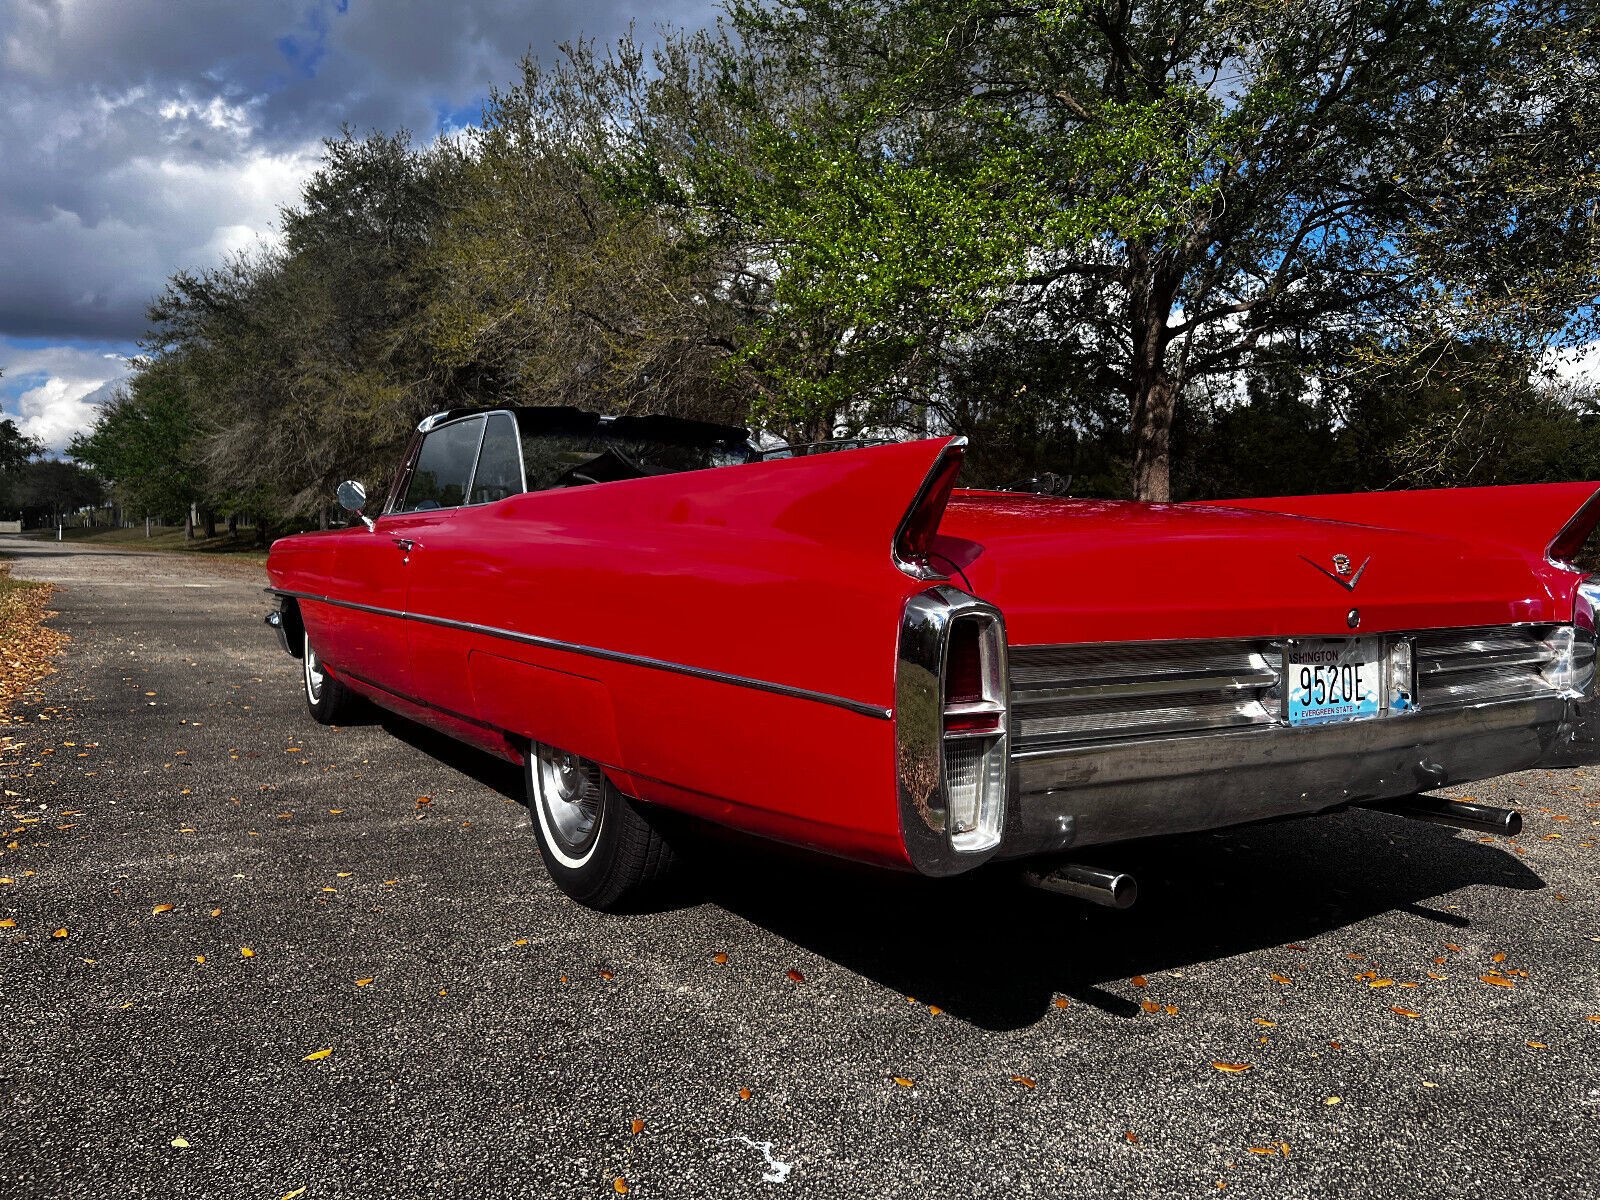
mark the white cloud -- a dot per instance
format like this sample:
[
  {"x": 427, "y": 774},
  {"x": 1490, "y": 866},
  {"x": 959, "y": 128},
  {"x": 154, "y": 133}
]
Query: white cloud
[
  {"x": 61, "y": 388},
  {"x": 1576, "y": 364}
]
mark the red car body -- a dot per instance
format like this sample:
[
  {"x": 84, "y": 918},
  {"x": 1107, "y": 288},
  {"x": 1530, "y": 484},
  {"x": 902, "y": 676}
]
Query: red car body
[{"x": 809, "y": 649}]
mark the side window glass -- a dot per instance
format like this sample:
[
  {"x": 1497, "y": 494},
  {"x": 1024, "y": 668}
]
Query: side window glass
[
  {"x": 444, "y": 466},
  {"x": 499, "y": 472}
]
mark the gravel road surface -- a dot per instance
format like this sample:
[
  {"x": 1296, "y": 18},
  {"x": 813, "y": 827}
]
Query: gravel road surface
[{"x": 286, "y": 973}]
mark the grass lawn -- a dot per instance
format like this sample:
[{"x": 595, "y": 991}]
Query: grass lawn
[{"x": 240, "y": 546}]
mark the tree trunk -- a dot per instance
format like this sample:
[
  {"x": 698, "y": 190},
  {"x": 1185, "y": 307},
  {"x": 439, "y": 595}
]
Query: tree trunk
[
  {"x": 322, "y": 518},
  {"x": 261, "y": 532},
  {"x": 233, "y": 524},
  {"x": 211, "y": 523},
  {"x": 1154, "y": 403},
  {"x": 188, "y": 524},
  {"x": 1153, "y": 390}
]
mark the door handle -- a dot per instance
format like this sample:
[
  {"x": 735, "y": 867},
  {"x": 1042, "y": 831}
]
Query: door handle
[{"x": 405, "y": 544}]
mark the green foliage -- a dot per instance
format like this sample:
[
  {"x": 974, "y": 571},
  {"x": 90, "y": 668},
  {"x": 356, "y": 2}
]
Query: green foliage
[
  {"x": 145, "y": 445},
  {"x": 1170, "y": 247}
]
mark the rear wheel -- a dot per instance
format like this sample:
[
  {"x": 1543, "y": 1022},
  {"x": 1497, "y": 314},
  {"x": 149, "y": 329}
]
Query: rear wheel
[
  {"x": 327, "y": 698},
  {"x": 596, "y": 843}
]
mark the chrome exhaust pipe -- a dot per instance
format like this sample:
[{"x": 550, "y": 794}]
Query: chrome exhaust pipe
[
  {"x": 1480, "y": 818},
  {"x": 1111, "y": 889}
]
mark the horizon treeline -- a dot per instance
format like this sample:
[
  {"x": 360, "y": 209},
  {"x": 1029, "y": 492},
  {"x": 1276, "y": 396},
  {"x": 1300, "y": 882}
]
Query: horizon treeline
[{"x": 1192, "y": 249}]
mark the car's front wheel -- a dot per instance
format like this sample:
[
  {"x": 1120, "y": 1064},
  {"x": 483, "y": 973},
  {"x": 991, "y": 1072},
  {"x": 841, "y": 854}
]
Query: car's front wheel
[
  {"x": 596, "y": 843},
  {"x": 327, "y": 698}
]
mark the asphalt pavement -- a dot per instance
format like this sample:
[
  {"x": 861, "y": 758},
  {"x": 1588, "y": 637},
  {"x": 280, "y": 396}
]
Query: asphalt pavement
[{"x": 319, "y": 963}]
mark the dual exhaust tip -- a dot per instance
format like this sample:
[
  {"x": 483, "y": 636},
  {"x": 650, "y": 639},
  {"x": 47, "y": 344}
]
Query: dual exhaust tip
[{"x": 1118, "y": 889}]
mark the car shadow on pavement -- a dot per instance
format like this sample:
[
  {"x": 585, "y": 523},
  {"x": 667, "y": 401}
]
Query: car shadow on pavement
[{"x": 996, "y": 953}]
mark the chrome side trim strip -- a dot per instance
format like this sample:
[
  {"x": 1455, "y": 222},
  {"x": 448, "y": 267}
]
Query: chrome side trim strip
[{"x": 617, "y": 656}]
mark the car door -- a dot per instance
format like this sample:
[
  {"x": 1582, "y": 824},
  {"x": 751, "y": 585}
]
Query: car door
[
  {"x": 372, "y": 573},
  {"x": 451, "y": 583}
]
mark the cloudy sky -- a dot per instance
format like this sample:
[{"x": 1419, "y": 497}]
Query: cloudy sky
[{"x": 141, "y": 136}]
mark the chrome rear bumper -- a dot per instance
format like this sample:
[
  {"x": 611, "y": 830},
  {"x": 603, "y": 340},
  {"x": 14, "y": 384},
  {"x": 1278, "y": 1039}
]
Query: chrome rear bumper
[{"x": 1090, "y": 795}]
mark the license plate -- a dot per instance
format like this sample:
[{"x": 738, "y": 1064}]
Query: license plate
[{"x": 1334, "y": 679}]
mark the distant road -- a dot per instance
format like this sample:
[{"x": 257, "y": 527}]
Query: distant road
[{"x": 508, "y": 1039}]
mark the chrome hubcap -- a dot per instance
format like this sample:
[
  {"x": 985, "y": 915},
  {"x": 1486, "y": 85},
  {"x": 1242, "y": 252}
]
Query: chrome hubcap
[
  {"x": 314, "y": 673},
  {"x": 569, "y": 792}
]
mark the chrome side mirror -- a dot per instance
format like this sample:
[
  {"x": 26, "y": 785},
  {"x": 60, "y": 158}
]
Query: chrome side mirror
[{"x": 353, "y": 498}]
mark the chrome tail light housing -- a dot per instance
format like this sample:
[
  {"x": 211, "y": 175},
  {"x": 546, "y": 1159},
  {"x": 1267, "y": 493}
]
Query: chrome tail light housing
[{"x": 952, "y": 724}]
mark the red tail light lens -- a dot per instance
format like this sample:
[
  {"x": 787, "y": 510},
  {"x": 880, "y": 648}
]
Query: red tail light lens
[{"x": 963, "y": 671}]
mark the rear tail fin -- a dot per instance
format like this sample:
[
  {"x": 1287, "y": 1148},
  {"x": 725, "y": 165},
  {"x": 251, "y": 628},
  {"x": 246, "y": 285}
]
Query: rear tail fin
[{"x": 1544, "y": 521}]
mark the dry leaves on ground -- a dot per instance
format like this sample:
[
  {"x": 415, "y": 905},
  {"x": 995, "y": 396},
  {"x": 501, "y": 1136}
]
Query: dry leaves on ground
[{"x": 27, "y": 644}]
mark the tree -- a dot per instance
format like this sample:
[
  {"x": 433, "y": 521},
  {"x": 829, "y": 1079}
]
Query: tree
[
  {"x": 1169, "y": 188},
  {"x": 145, "y": 442}
]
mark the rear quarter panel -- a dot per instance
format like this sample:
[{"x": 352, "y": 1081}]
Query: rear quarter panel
[{"x": 774, "y": 573}]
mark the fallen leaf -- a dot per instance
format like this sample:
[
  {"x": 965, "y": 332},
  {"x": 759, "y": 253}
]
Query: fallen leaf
[
  {"x": 1023, "y": 1080},
  {"x": 1281, "y": 979},
  {"x": 603, "y": 975},
  {"x": 1262, "y": 1149},
  {"x": 180, "y": 1143},
  {"x": 293, "y": 1194},
  {"x": 934, "y": 1010},
  {"x": 796, "y": 976},
  {"x": 1139, "y": 981},
  {"x": 1381, "y": 983},
  {"x": 1150, "y": 1006},
  {"x": 903, "y": 1082},
  {"x": 246, "y": 952},
  {"x": 1332, "y": 1100},
  {"x": 1497, "y": 958},
  {"x": 621, "y": 1185},
  {"x": 199, "y": 958},
  {"x": 638, "y": 1125},
  {"x": 1436, "y": 975},
  {"x": 1498, "y": 980},
  {"x": 1538, "y": 1046},
  {"x": 1061, "y": 1002},
  {"x": 1172, "y": 1010},
  {"x": 719, "y": 958},
  {"x": 8, "y": 923},
  {"x": 216, "y": 912},
  {"x": 346, "y": 874},
  {"x": 1404, "y": 1012},
  {"x": 520, "y": 942},
  {"x": 1449, "y": 946},
  {"x": 1264, "y": 1021},
  {"x": 744, "y": 1093},
  {"x": 60, "y": 933},
  {"x": 316, "y": 1054},
  {"x": 363, "y": 982},
  {"x": 1231, "y": 1068}
]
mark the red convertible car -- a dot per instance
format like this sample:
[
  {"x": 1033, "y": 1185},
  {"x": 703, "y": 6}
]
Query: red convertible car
[{"x": 839, "y": 651}]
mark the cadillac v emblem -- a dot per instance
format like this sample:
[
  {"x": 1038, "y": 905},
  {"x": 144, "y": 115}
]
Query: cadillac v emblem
[{"x": 1341, "y": 567}]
